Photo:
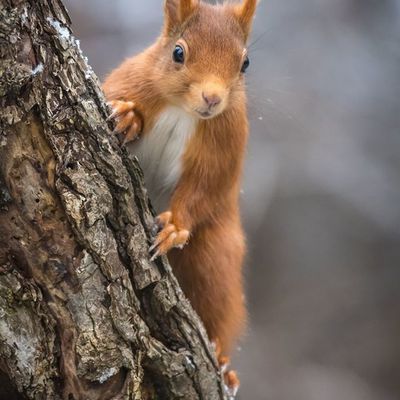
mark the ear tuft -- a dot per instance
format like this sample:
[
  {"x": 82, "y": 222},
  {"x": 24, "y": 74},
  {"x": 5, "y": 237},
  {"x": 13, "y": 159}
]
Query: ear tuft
[
  {"x": 187, "y": 8},
  {"x": 245, "y": 13},
  {"x": 177, "y": 12}
]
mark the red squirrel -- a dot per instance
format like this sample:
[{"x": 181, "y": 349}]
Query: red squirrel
[{"x": 184, "y": 101}]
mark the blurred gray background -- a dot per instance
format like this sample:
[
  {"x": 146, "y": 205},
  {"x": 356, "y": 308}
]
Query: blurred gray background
[{"x": 321, "y": 192}]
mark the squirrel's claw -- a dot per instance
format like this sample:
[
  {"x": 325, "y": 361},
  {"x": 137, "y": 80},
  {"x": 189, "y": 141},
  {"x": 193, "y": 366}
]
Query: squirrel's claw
[
  {"x": 231, "y": 379},
  {"x": 160, "y": 221},
  {"x": 124, "y": 122},
  {"x": 120, "y": 107},
  {"x": 132, "y": 133},
  {"x": 129, "y": 122},
  {"x": 232, "y": 384},
  {"x": 155, "y": 256},
  {"x": 168, "y": 237}
]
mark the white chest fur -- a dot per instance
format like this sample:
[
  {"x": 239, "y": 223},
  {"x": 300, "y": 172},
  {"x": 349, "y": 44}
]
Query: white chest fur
[{"x": 160, "y": 153}]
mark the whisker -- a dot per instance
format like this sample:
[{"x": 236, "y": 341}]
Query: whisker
[{"x": 257, "y": 39}]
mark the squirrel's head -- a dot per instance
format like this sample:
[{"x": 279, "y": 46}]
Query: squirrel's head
[{"x": 204, "y": 55}]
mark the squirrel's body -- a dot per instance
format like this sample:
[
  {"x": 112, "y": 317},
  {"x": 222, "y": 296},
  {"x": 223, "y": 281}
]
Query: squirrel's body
[
  {"x": 160, "y": 153},
  {"x": 185, "y": 95}
]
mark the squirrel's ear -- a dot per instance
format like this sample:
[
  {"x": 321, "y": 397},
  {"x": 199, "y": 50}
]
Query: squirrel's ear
[
  {"x": 177, "y": 12},
  {"x": 244, "y": 13}
]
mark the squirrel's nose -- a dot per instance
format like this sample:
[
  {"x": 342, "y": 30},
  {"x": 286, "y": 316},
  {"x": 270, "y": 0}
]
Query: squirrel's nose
[{"x": 211, "y": 100}]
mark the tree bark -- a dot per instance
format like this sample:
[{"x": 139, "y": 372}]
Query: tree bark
[{"x": 84, "y": 314}]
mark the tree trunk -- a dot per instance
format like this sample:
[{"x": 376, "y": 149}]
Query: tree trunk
[{"x": 84, "y": 314}]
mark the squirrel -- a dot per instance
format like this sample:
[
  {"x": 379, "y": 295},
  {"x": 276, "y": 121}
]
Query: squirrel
[{"x": 181, "y": 108}]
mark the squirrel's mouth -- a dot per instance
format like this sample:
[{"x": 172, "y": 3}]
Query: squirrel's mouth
[{"x": 205, "y": 114}]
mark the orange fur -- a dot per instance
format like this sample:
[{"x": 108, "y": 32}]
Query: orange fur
[
  {"x": 176, "y": 13},
  {"x": 205, "y": 200},
  {"x": 245, "y": 13}
]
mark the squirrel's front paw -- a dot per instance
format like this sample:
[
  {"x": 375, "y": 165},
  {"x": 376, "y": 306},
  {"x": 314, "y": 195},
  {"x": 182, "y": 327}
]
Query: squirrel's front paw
[
  {"x": 168, "y": 237},
  {"x": 128, "y": 118}
]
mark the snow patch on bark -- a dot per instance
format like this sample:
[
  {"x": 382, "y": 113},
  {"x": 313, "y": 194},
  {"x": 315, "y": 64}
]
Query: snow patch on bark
[
  {"x": 65, "y": 34},
  {"x": 23, "y": 345},
  {"x": 24, "y": 15},
  {"x": 38, "y": 69},
  {"x": 62, "y": 31},
  {"x": 107, "y": 374}
]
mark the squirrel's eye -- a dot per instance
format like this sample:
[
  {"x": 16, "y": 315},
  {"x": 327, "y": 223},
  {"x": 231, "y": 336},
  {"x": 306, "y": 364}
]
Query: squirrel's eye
[
  {"x": 246, "y": 64},
  {"x": 179, "y": 54}
]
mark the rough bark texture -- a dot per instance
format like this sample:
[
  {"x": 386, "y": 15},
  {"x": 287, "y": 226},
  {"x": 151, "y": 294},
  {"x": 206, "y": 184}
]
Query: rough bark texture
[{"x": 84, "y": 314}]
